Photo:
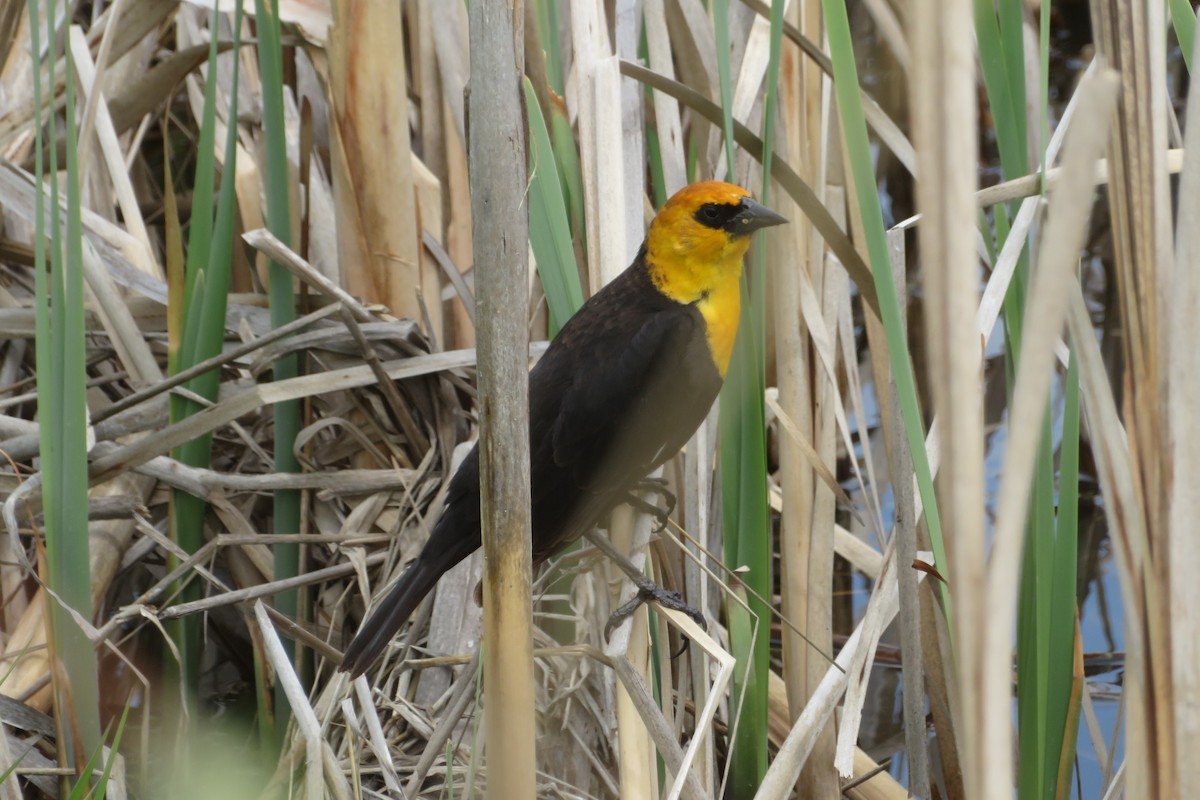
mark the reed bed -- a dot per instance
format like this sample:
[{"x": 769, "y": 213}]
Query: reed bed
[{"x": 238, "y": 262}]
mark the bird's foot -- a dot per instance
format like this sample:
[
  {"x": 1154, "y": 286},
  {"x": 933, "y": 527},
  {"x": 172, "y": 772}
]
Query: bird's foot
[
  {"x": 657, "y": 486},
  {"x": 648, "y": 591}
]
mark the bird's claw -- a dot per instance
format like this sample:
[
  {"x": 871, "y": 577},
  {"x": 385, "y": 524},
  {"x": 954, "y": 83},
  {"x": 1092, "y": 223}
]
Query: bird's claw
[
  {"x": 661, "y": 514},
  {"x": 648, "y": 591}
]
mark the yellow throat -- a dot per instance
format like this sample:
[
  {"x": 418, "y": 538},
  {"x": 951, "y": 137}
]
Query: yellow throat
[{"x": 708, "y": 275}]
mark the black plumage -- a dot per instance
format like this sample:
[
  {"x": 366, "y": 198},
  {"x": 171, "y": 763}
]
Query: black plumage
[
  {"x": 623, "y": 386},
  {"x": 620, "y": 390}
]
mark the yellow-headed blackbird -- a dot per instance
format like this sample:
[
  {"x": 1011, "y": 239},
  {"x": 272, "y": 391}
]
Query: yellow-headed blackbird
[{"x": 622, "y": 387}]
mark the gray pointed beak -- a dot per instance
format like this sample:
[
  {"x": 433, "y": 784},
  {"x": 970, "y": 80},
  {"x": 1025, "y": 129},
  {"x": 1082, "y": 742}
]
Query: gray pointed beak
[{"x": 755, "y": 215}]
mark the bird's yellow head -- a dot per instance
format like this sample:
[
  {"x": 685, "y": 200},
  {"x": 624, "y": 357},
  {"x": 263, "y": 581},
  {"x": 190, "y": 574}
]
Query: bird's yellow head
[{"x": 694, "y": 253}]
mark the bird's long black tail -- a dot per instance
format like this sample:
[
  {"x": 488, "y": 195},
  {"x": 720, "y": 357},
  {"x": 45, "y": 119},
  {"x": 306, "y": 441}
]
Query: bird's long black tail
[{"x": 436, "y": 558}]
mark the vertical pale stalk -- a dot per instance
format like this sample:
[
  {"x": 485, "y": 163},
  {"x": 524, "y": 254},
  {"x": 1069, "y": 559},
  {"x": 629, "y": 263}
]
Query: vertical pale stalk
[
  {"x": 1132, "y": 37},
  {"x": 589, "y": 37},
  {"x": 806, "y": 553},
  {"x": 371, "y": 158},
  {"x": 633, "y": 149},
  {"x": 944, "y": 131},
  {"x": 636, "y": 752},
  {"x": 819, "y": 625},
  {"x": 621, "y": 229},
  {"x": 666, "y": 108},
  {"x": 1184, "y": 367},
  {"x": 498, "y": 178},
  {"x": 904, "y": 535},
  {"x": 614, "y": 238},
  {"x": 810, "y": 153},
  {"x": 792, "y": 368}
]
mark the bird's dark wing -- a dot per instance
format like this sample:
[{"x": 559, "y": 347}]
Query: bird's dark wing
[
  {"x": 613, "y": 391},
  {"x": 629, "y": 403}
]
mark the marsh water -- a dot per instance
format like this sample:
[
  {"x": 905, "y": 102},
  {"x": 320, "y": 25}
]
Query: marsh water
[{"x": 1097, "y": 592}]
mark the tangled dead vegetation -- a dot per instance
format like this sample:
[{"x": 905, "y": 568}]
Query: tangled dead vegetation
[{"x": 386, "y": 394}]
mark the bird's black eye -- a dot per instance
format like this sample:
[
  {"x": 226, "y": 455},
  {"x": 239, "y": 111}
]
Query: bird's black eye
[{"x": 715, "y": 215}]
